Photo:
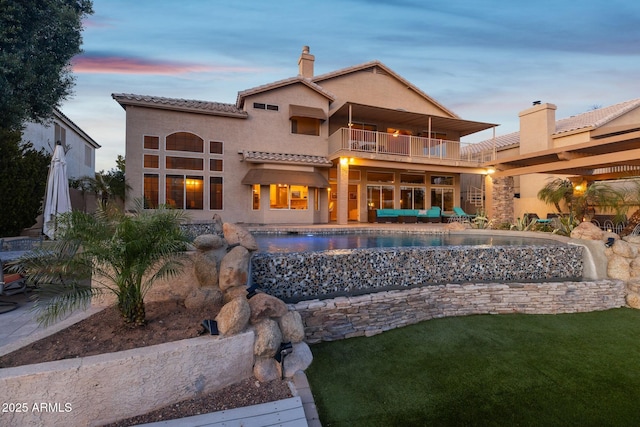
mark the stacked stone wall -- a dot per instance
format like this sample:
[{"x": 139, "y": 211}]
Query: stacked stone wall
[
  {"x": 371, "y": 314},
  {"x": 503, "y": 208}
]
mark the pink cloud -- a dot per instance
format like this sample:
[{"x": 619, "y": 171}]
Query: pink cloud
[{"x": 96, "y": 64}]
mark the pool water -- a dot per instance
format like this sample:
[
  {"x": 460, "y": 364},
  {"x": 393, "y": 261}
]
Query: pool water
[{"x": 287, "y": 243}]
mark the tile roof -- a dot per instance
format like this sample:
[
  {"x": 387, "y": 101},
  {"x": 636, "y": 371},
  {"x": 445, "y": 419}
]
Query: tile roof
[
  {"x": 595, "y": 118},
  {"x": 265, "y": 157},
  {"x": 590, "y": 119},
  {"x": 190, "y": 105}
]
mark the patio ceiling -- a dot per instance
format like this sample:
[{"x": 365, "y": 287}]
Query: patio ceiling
[
  {"x": 600, "y": 158},
  {"x": 400, "y": 118}
]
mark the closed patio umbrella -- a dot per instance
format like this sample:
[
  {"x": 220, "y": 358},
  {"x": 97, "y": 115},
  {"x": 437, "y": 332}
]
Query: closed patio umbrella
[{"x": 57, "y": 200}]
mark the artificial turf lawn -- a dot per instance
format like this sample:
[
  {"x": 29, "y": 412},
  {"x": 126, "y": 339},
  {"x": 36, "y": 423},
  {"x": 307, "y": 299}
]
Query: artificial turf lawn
[{"x": 491, "y": 370}]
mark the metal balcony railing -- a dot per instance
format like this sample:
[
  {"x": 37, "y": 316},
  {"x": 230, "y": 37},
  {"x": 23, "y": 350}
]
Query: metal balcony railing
[{"x": 364, "y": 141}]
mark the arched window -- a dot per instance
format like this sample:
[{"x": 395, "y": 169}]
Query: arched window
[{"x": 185, "y": 141}]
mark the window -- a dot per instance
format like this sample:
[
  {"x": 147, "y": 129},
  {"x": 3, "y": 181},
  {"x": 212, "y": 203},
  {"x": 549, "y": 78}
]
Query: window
[
  {"x": 305, "y": 126},
  {"x": 215, "y": 147},
  {"x": 380, "y": 176},
  {"x": 441, "y": 180},
  {"x": 215, "y": 165},
  {"x": 285, "y": 196},
  {"x": 184, "y": 192},
  {"x": 443, "y": 198},
  {"x": 406, "y": 178},
  {"x": 185, "y": 141},
  {"x": 151, "y": 161},
  {"x": 151, "y": 190},
  {"x": 380, "y": 196},
  {"x": 88, "y": 155},
  {"x": 184, "y": 163},
  {"x": 255, "y": 197},
  {"x": 215, "y": 193},
  {"x": 262, "y": 106},
  {"x": 60, "y": 134},
  {"x": 151, "y": 142},
  {"x": 412, "y": 197}
]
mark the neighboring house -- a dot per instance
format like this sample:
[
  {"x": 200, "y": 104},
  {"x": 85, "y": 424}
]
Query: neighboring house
[
  {"x": 304, "y": 150},
  {"x": 601, "y": 144},
  {"x": 80, "y": 147}
]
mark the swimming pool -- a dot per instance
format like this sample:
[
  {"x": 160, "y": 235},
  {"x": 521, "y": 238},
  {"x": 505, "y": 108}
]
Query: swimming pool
[{"x": 312, "y": 242}]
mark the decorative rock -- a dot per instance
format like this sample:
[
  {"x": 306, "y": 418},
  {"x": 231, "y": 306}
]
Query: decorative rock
[
  {"x": 633, "y": 299},
  {"x": 205, "y": 268},
  {"x": 634, "y": 286},
  {"x": 634, "y": 268},
  {"x": 624, "y": 249},
  {"x": 298, "y": 360},
  {"x": 266, "y": 306},
  {"x": 202, "y": 297},
  {"x": 292, "y": 327},
  {"x": 234, "y": 268},
  {"x": 455, "y": 226},
  {"x": 588, "y": 231},
  {"x": 236, "y": 235},
  {"x": 235, "y": 292},
  {"x": 206, "y": 242},
  {"x": 618, "y": 268},
  {"x": 632, "y": 239},
  {"x": 266, "y": 369},
  {"x": 268, "y": 338},
  {"x": 217, "y": 224},
  {"x": 234, "y": 316}
]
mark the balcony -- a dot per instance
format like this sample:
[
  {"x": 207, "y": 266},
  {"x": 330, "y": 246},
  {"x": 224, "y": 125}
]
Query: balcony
[{"x": 391, "y": 146}]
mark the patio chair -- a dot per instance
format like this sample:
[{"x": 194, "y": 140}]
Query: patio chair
[{"x": 531, "y": 216}]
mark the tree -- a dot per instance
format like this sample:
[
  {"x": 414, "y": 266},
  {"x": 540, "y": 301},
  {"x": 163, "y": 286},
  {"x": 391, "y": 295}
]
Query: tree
[
  {"x": 556, "y": 191},
  {"x": 23, "y": 179},
  {"x": 108, "y": 187},
  {"x": 125, "y": 252},
  {"x": 38, "y": 38}
]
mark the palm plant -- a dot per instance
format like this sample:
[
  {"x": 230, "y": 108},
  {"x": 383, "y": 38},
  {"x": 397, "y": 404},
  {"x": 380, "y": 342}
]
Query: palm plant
[
  {"x": 125, "y": 252},
  {"x": 556, "y": 191}
]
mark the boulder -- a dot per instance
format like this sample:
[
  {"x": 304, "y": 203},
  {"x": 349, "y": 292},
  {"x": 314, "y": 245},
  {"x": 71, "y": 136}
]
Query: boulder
[
  {"x": 299, "y": 360},
  {"x": 618, "y": 268},
  {"x": 217, "y": 224},
  {"x": 203, "y": 297},
  {"x": 587, "y": 231},
  {"x": 633, "y": 300},
  {"x": 268, "y": 338},
  {"x": 266, "y": 369},
  {"x": 234, "y": 268},
  {"x": 292, "y": 327},
  {"x": 207, "y": 242},
  {"x": 632, "y": 239},
  {"x": 266, "y": 306},
  {"x": 455, "y": 226},
  {"x": 237, "y": 235},
  {"x": 634, "y": 268},
  {"x": 206, "y": 269},
  {"x": 233, "y": 317},
  {"x": 624, "y": 249},
  {"x": 234, "y": 292}
]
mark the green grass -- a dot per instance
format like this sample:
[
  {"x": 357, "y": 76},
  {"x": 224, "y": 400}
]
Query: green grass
[{"x": 504, "y": 370}]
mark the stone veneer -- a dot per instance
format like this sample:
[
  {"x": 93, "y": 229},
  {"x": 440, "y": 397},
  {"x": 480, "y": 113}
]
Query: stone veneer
[
  {"x": 298, "y": 276},
  {"x": 371, "y": 314}
]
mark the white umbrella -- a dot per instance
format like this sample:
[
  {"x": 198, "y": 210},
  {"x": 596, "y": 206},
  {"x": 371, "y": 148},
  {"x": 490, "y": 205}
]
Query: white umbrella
[{"x": 57, "y": 199}]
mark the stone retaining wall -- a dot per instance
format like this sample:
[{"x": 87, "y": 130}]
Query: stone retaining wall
[{"x": 371, "y": 314}]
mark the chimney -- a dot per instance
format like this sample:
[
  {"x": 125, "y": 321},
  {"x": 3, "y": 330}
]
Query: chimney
[
  {"x": 537, "y": 124},
  {"x": 305, "y": 63}
]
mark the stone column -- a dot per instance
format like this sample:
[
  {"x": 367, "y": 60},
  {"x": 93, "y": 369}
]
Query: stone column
[
  {"x": 502, "y": 209},
  {"x": 343, "y": 191}
]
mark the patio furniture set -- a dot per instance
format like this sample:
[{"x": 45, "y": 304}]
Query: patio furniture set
[{"x": 431, "y": 215}]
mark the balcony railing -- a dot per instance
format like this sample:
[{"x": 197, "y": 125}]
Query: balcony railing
[{"x": 365, "y": 141}]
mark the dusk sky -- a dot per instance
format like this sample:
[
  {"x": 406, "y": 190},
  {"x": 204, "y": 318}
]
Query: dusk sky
[{"x": 484, "y": 60}]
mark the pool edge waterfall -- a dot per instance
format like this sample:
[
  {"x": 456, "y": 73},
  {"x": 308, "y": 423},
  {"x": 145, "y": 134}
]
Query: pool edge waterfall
[{"x": 301, "y": 276}]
